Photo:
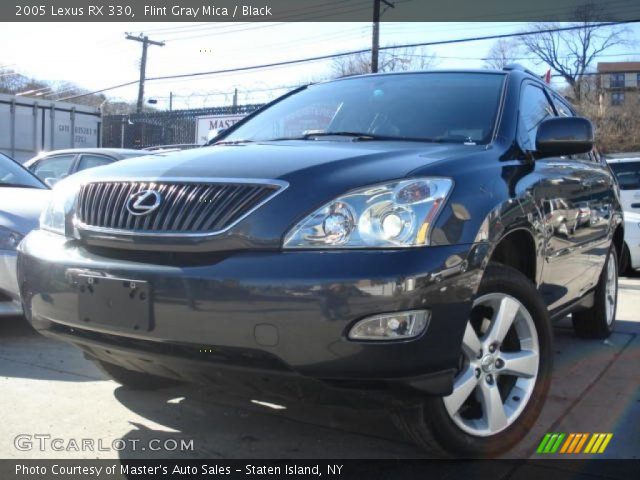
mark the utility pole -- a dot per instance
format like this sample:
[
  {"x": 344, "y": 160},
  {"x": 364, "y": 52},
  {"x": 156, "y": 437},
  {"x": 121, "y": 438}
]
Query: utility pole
[
  {"x": 170, "y": 101},
  {"x": 375, "y": 41},
  {"x": 143, "y": 64}
]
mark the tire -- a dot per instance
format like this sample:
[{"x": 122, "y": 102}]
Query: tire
[
  {"x": 441, "y": 428},
  {"x": 599, "y": 321},
  {"x": 134, "y": 380},
  {"x": 625, "y": 261}
]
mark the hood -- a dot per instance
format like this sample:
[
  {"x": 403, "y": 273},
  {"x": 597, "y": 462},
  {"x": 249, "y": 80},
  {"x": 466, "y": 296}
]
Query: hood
[
  {"x": 20, "y": 207},
  {"x": 310, "y": 161},
  {"x": 316, "y": 171}
]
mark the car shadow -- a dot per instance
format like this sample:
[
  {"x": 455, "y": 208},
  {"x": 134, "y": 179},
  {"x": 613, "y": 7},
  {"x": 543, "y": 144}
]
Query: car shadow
[
  {"x": 24, "y": 353},
  {"x": 224, "y": 424}
]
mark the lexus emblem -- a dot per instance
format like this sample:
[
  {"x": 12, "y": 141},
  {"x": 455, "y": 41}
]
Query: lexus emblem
[{"x": 143, "y": 202}]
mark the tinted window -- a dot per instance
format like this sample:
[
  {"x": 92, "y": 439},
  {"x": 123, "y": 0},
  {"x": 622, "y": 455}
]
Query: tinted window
[
  {"x": 91, "y": 161},
  {"x": 13, "y": 175},
  {"x": 628, "y": 174},
  {"x": 53, "y": 167},
  {"x": 534, "y": 109},
  {"x": 448, "y": 107}
]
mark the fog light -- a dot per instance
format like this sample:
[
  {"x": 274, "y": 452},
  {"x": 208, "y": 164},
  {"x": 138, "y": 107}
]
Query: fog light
[{"x": 391, "y": 326}]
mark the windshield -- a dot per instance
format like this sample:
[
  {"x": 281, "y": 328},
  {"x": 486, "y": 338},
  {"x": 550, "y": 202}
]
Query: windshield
[
  {"x": 628, "y": 174},
  {"x": 443, "y": 107},
  {"x": 13, "y": 175}
]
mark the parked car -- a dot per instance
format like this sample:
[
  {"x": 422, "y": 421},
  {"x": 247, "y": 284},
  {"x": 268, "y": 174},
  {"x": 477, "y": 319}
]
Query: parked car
[
  {"x": 381, "y": 234},
  {"x": 22, "y": 197},
  {"x": 51, "y": 167},
  {"x": 626, "y": 167}
]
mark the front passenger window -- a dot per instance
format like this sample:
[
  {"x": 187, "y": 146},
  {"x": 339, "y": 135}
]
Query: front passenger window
[{"x": 534, "y": 109}]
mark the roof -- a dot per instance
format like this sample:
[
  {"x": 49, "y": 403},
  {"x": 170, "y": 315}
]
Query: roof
[
  {"x": 117, "y": 153},
  {"x": 114, "y": 152},
  {"x": 621, "y": 67}
]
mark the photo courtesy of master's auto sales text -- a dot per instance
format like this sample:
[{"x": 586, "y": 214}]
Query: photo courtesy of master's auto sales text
[{"x": 291, "y": 239}]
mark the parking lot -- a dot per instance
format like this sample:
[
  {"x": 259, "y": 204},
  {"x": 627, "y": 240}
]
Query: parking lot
[{"x": 48, "y": 388}]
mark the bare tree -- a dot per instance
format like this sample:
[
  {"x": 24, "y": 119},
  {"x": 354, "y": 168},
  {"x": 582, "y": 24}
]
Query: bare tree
[
  {"x": 391, "y": 60},
  {"x": 572, "y": 53},
  {"x": 502, "y": 53}
]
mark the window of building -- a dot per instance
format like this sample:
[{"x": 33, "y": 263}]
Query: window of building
[
  {"x": 638, "y": 79},
  {"x": 617, "y": 98},
  {"x": 617, "y": 80}
]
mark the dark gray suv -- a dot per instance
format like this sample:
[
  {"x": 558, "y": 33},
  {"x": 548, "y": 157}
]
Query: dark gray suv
[{"x": 386, "y": 235}]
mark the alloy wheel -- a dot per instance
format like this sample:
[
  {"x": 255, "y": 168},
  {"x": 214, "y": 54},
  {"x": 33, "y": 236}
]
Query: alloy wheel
[{"x": 498, "y": 368}]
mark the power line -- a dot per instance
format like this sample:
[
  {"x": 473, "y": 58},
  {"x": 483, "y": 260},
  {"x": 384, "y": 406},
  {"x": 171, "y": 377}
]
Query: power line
[{"x": 356, "y": 52}]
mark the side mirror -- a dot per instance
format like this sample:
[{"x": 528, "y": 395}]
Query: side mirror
[
  {"x": 214, "y": 133},
  {"x": 564, "y": 136},
  {"x": 51, "y": 181}
]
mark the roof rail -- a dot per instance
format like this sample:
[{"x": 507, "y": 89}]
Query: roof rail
[{"x": 520, "y": 68}]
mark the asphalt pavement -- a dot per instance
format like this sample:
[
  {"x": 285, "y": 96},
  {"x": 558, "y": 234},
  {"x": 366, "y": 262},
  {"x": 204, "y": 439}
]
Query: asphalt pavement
[{"x": 56, "y": 404}]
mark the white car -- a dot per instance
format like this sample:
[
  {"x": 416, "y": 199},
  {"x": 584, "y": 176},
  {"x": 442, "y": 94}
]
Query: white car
[
  {"x": 627, "y": 169},
  {"x": 22, "y": 198}
]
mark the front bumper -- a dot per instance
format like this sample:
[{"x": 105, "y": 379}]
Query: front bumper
[
  {"x": 213, "y": 314},
  {"x": 10, "y": 304}
]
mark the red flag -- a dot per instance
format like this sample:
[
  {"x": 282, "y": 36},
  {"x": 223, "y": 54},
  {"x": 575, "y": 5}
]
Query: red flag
[{"x": 547, "y": 77}]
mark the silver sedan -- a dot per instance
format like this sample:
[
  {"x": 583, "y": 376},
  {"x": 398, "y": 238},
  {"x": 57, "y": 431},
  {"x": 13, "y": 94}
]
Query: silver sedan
[{"x": 22, "y": 198}]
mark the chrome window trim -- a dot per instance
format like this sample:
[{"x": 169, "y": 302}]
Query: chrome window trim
[{"x": 103, "y": 232}]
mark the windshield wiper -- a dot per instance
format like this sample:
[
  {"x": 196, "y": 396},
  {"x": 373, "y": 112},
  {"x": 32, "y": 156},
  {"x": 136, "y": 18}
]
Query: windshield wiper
[
  {"x": 309, "y": 134},
  {"x": 233, "y": 142}
]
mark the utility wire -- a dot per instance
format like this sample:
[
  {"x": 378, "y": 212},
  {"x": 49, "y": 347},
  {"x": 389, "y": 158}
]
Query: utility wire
[{"x": 354, "y": 52}]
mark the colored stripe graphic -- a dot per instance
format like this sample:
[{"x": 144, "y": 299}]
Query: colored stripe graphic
[
  {"x": 573, "y": 443},
  {"x": 543, "y": 443}
]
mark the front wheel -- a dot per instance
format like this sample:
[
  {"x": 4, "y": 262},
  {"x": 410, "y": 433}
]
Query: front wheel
[{"x": 503, "y": 375}]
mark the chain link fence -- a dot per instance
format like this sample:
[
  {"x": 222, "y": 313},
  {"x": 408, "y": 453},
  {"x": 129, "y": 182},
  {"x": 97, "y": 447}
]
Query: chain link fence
[{"x": 150, "y": 129}]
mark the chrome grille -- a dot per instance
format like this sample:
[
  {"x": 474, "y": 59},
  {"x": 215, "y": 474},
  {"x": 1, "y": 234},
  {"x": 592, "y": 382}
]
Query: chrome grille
[{"x": 186, "y": 207}]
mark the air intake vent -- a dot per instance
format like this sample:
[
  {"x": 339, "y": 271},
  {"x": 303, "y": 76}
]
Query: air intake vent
[{"x": 171, "y": 207}]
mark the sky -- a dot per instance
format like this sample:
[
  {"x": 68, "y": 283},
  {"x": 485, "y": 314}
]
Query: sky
[{"x": 97, "y": 55}]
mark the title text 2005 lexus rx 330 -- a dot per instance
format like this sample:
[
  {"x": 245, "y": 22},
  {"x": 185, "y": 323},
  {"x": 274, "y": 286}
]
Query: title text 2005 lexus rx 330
[{"x": 408, "y": 237}]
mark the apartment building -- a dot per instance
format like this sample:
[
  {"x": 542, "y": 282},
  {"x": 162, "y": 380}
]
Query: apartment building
[{"x": 619, "y": 83}]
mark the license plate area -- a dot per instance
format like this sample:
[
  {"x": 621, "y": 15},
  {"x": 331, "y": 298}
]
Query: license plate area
[{"x": 116, "y": 303}]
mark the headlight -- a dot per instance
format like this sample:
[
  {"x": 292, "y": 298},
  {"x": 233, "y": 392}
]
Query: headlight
[
  {"x": 390, "y": 215},
  {"x": 9, "y": 239},
  {"x": 54, "y": 217}
]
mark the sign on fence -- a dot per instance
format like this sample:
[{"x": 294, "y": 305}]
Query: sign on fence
[{"x": 213, "y": 122}]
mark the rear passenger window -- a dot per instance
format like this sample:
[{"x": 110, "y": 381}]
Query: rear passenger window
[
  {"x": 534, "y": 109},
  {"x": 91, "y": 161}
]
